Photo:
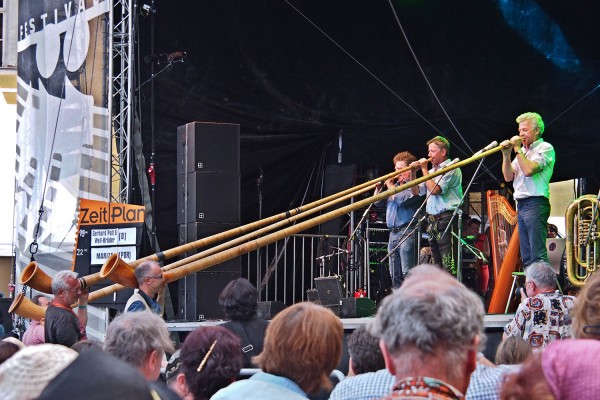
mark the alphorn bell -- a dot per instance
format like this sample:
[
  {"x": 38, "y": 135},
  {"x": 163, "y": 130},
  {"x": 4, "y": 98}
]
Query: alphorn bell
[
  {"x": 34, "y": 277},
  {"x": 119, "y": 271},
  {"x": 26, "y": 308}
]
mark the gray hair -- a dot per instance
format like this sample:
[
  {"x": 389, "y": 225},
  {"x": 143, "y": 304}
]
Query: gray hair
[
  {"x": 133, "y": 336},
  {"x": 542, "y": 274},
  {"x": 143, "y": 270},
  {"x": 430, "y": 315},
  {"x": 60, "y": 280},
  {"x": 534, "y": 118}
]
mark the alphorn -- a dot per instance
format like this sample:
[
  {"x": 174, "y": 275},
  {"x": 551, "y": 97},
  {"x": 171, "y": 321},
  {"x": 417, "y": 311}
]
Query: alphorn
[
  {"x": 34, "y": 277},
  {"x": 112, "y": 272}
]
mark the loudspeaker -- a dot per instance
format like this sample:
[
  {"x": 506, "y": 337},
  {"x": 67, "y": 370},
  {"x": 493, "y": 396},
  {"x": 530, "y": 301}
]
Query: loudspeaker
[
  {"x": 336, "y": 178},
  {"x": 208, "y": 198},
  {"x": 269, "y": 309},
  {"x": 5, "y": 317},
  {"x": 329, "y": 290},
  {"x": 198, "y": 230},
  {"x": 208, "y": 147},
  {"x": 357, "y": 307}
]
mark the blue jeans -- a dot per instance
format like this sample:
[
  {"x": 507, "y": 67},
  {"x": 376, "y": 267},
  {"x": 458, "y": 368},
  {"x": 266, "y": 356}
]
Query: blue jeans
[
  {"x": 403, "y": 257},
  {"x": 532, "y": 217}
]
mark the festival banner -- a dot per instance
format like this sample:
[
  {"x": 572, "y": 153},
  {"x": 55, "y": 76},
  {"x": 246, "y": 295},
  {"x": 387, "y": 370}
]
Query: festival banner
[{"x": 63, "y": 124}]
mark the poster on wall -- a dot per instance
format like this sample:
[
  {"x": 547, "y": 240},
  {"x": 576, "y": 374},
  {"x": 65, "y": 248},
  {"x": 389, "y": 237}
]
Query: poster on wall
[
  {"x": 63, "y": 124},
  {"x": 103, "y": 229}
]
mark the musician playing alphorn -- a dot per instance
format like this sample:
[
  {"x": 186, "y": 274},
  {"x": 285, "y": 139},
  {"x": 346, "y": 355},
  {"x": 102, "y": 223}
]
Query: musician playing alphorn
[
  {"x": 530, "y": 172},
  {"x": 400, "y": 209},
  {"x": 444, "y": 195}
]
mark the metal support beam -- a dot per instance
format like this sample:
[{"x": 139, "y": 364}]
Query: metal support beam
[{"x": 121, "y": 99}]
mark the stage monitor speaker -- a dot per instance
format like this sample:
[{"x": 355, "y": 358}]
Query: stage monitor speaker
[
  {"x": 208, "y": 147},
  {"x": 208, "y": 198},
  {"x": 329, "y": 290},
  {"x": 5, "y": 317},
  {"x": 269, "y": 309},
  {"x": 359, "y": 307},
  {"x": 197, "y": 230}
]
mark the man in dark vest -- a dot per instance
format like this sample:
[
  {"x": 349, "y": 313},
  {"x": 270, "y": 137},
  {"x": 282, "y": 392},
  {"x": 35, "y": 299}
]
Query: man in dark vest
[{"x": 150, "y": 282}]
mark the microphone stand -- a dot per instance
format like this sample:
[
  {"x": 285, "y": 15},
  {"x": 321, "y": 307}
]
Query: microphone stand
[{"x": 259, "y": 182}]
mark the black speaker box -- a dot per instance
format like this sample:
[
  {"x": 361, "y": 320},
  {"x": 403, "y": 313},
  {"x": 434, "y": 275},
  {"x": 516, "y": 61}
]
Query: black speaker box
[
  {"x": 5, "y": 317},
  {"x": 329, "y": 290},
  {"x": 198, "y": 230},
  {"x": 208, "y": 147},
  {"x": 208, "y": 198},
  {"x": 269, "y": 309},
  {"x": 360, "y": 307},
  {"x": 337, "y": 178}
]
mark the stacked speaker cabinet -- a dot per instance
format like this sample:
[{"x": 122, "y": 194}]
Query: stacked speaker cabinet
[{"x": 208, "y": 202}]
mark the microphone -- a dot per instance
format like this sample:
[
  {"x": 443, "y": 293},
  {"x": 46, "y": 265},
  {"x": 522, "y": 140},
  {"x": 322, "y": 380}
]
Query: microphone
[{"x": 488, "y": 147}]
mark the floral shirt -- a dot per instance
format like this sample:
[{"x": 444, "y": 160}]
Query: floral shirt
[
  {"x": 540, "y": 319},
  {"x": 424, "y": 387}
]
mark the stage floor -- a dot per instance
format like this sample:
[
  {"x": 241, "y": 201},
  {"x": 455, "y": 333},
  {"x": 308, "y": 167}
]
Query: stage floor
[{"x": 490, "y": 321}]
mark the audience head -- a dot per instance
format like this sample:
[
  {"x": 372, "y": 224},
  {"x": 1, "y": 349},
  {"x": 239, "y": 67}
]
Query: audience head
[
  {"x": 40, "y": 300},
  {"x": 434, "y": 323},
  {"x": 585, "y": 315},
  {"x": 539, "y": 277},
  {"x": 7, "y": 349},
  {"x": 239, "y": 300},
  {"x": 220, "y": 365},
  {"x": 365, "y": 355},
  {"x": 149, "y": 277},
  {"x": 24, "y": 375},
  {"x": 567, "y": 370},
  {"x": 85, "y": 345},
  {"x": 512, "y": 350},
  {"x": 304, "y": 344},
  {"x": 66, "y": 287},
  {"x": 140, "y": 339}
]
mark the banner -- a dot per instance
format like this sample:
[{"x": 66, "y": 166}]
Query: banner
[{"x": 63, "y": 123}]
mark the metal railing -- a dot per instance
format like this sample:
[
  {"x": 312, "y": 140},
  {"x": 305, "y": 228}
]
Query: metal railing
[{"x": 283, "y": 271}]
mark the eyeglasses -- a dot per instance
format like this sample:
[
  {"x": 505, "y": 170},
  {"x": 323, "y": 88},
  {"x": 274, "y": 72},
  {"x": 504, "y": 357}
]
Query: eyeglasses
[{"x": 155, "y": 277}]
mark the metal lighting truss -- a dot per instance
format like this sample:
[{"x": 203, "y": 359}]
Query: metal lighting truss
[{"x": 121, "y": 97}]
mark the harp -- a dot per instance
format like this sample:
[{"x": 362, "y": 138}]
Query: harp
[{"x": 504, "y": 238}]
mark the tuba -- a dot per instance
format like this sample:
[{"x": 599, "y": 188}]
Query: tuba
[{"x": 582, "y": 239}]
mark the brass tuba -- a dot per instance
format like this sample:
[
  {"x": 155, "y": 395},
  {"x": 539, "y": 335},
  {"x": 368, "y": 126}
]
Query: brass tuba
[{"x": 582, "y": 239}]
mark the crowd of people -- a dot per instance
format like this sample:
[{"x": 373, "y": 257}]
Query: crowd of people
[{"x": 424, "y": 342}]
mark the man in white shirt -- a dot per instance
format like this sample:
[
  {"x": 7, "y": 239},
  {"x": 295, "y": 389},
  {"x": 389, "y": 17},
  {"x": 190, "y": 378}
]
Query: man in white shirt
[{"x": 530, "y": 173}]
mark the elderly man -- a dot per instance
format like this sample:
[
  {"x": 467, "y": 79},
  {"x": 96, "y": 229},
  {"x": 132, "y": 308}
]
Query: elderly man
[
  {"x": 141, "y": 339},
  {"x": 430, "y": 331},
  {"x": 444, "y": 195},
  {"x": 150, "y": 282},
  {"x": 367, "y": 376},
  {"x": 61, "y": 324},
  {"x": 530, "y": 173},
  {"x": 540, "y": 317}
]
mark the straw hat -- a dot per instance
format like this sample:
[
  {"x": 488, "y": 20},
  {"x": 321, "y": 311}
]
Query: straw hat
[{"x": 24, "y": 375}]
